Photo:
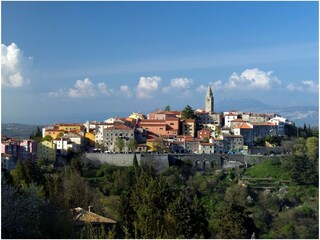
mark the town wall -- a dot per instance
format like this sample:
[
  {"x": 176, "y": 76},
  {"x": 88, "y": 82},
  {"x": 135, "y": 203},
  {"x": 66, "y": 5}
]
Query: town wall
[
  {"x": 158, "y": 161},
  {"x": 203, "y": 162}
]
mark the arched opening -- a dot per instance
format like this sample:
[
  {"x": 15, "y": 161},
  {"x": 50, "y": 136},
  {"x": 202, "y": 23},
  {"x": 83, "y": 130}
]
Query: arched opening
[{"x": 206, "y": 165}]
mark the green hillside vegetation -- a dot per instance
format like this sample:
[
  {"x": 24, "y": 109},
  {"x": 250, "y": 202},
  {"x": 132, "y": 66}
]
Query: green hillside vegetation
[
  {"x": 277, "y": 198},
  {"x": 272, "y": 168}
]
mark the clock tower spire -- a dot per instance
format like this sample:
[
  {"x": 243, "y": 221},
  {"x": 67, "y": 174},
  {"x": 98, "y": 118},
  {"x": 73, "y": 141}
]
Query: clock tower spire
[{"x": 209, "y": 100}]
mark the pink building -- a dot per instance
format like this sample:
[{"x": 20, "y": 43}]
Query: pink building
[{"x": 163, "y": 115}]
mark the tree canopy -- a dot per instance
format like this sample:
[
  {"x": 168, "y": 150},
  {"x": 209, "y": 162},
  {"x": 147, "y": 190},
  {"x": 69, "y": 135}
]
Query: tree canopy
[{"x": 188, "y": 113}]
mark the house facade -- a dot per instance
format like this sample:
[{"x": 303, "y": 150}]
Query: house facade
[{"x": 47, "y": 151}]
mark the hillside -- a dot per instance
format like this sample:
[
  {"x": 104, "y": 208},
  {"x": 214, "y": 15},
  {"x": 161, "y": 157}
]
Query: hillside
[{"x": 18, "y": 130}]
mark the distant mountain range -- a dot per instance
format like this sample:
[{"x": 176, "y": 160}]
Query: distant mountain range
[
  {"x": 18, "y": 130},
  {"x": 299, "y": 114}
]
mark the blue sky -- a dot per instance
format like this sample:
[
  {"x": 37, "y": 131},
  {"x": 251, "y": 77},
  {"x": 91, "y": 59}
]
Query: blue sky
[{"x": 77, "y": 61}]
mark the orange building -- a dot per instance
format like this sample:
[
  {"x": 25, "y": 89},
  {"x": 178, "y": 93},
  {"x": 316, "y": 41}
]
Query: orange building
[{"x": 166, "y": 127}]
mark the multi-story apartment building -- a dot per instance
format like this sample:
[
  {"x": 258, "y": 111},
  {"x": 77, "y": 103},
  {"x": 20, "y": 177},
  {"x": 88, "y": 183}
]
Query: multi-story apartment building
[
  {"x": 245, "y": 130},
  {"x": 46, "y": 151},
  {"x": 99, "y": 132},
  {"x": 218, "y": 144},
  {"x": 280, "y": 122},
  {"x": 118, "y": 130},
  {"x": 206, "y": 148},
  {"x": 263, "y": 129},
  {"x": 256, "y": 117},
  {"x": 204, "y": 134},
  {"x": 228, "y": 118},
  {"x": 232, "y": 142},
  {"x": 167, "y": 127},
  {"x": 188, "y": 127},
  {"x": 64, "y": 144},
  {"x": 27, "y": 149},
  {"x": 207, "y": 117}
]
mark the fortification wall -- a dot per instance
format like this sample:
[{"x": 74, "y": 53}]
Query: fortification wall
[{"x": 158, "y": 161}]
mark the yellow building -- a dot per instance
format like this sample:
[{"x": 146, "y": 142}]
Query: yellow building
[
  {"x": 137, "y": 116},
  {"x": 69, "y": 127},
  {"x": 155, "y": 145},
  {"x": 91, "y": 137},
  {"x": 46, "y": 151},
  {"x": 54, "y": 133}
]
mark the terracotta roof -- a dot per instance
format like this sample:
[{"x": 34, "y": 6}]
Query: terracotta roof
[
  {"x": 145, "y": 121},
  {"x": 201, "y": 113},
  {"x": 81, "y": 216},
  {"x": 263, "y": 124},
  {"x": 68, "y": 124},
  {"x": 245, "y": 126},
  {"x": 233, "y": 136},
  {"x": 206, "y": 144},
  {"x": 190, "y": 120},
  {"x": 118, "y": 126},
  {"x": 238, "y": 120}
]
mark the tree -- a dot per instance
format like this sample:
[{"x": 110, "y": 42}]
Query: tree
[
  {"x": 77, "y": 164},
  {"x": 20, "y": 212},
  {"x": 312, "y": 145},
  {"x": 301, "y": 169},
  {"x": 38, "y": 133},
  {"x": 78, "y": 193},
  {"x": 132, "y": 145},
  {"x": 234, "y": 222},
  {"x": 119, "y": 144},
  {"x": 19, "y": 175},
  {"x": 167, "y": 108},
  {"x": 300, "y": 147},
  {"x": 188, "y": 113},
  {"x": 47, "y": 138}
]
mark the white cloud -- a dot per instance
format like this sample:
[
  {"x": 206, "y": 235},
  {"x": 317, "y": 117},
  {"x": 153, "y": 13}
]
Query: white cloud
[
  {"x": 124, "y": 89},
  {"x": 83, "y": 88},
  {"x": 58, "y": 93},
  {"x": 293, "y": 87},
  {"x": 311, "y": 86},
  {"x": 179, "y": 84},
  {"x": 15, "y": 67},
  {"x": 102, "y": 87},
  {"x": 86, "y": 88},
  {"x": 147, "y": 86},
  {"x": 201, "y": 88},
  {"x": 252, "y": 79}
]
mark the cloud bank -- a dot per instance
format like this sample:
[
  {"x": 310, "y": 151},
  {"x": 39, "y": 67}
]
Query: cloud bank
[
  {"x": 15, "y": 67},
  {"x": 147, "y": 86}
]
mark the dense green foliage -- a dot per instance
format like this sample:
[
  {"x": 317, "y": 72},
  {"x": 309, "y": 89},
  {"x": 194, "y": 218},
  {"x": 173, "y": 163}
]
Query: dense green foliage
[
  {"x": 187, "y": 113},
  {"x": 119, "y": 144},
  {"x": 277, "y": 198}
]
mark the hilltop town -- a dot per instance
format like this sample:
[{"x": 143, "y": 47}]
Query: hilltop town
[{"x": 200, "y": 131}]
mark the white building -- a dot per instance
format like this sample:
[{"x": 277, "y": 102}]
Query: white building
[{"x": 228, "y": 118}]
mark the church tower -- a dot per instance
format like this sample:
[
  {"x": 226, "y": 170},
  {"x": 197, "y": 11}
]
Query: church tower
[{"x": 209, "y": 101}]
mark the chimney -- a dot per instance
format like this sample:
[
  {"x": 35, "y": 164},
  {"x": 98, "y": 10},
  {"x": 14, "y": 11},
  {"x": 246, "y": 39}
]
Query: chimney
[{"x": 89, "y": 208}]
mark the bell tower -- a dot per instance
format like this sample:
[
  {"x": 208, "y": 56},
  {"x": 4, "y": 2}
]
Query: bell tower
[{"x": 209, "y": 100}]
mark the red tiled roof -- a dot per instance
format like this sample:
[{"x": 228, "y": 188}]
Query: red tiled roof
[
  {"x": 245, "y": 126},
  {"x": 263, "y": 124},
  {"x": 206, "y": 144},
  {"x": 233, "y": 136},
  {"x": 238, "y": 120}
]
